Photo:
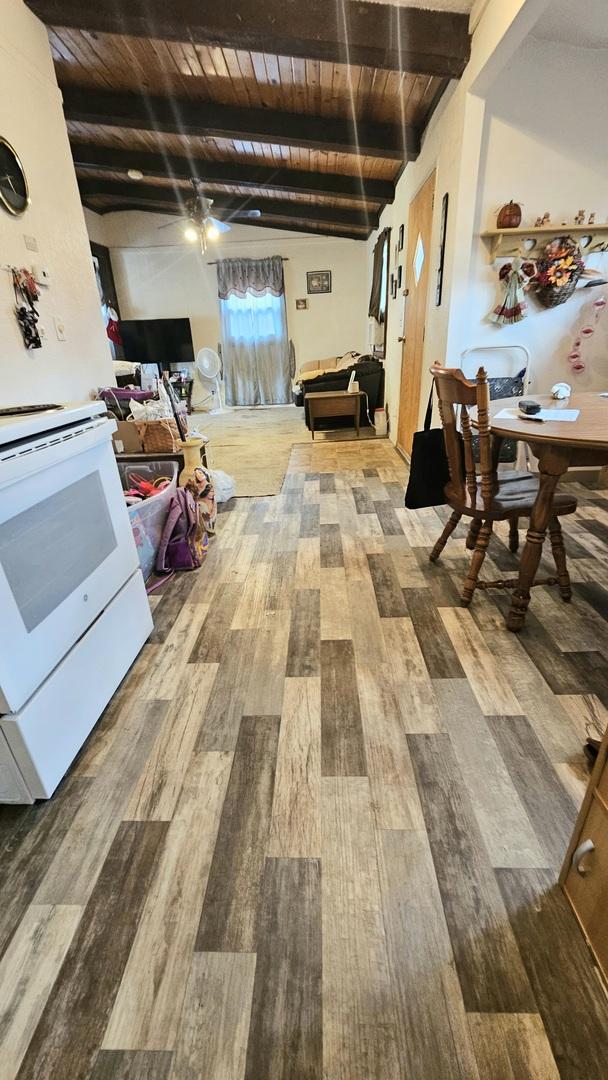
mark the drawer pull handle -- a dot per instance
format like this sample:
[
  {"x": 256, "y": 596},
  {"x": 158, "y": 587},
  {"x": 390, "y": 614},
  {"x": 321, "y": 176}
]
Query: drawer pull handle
[{"x": 582, "y": 850}]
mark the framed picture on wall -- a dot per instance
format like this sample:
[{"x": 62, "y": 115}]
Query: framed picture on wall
[
  {"x": 318, "y": 281},
  {"x": 442, "y": 231},
  {"x": 401, "y": 236},
  {"x": 301, "y": 304},
  {"x": 399, "y": 276}
]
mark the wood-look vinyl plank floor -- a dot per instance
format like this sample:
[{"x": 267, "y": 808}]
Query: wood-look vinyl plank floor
[{"x": 317, "y": 831}]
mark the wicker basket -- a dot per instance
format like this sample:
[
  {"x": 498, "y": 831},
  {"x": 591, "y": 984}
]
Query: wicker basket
[
  {"x": 159, "y": 436},
  {"x": 551, "y": 296}
]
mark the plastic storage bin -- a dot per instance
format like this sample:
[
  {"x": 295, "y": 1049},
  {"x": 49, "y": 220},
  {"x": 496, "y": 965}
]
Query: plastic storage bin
[{"x": 148, "y": 517}]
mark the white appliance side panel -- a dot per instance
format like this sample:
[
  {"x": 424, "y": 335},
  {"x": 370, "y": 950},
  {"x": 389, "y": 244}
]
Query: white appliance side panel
[
  {"x": 28, "y": 655},
  {"x": 47, "y": 733},
  {"x": 13, "y": 788}
]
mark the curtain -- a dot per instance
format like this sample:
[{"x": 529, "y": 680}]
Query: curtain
[
  {"x": 377, "y": 299},
  {"x": 255, "y": 345}
]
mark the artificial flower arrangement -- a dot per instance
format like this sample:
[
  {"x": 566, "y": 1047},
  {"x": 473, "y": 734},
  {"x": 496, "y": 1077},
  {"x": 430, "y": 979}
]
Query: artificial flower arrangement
[{"x": 558, "y": 271}]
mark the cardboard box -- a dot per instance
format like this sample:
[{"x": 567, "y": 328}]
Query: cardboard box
[{"x": 127, "y": 435}]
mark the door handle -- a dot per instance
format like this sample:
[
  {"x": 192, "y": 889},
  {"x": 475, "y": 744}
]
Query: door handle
[{"x": 583, "y": 849}]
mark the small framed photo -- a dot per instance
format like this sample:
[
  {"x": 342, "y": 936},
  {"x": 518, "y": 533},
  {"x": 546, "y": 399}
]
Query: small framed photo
[
  {"x": 399, "y": 276},
  {"x": 401, "y": 236},
  {"x": 301, "y": 304},
  {"x": 393, "y": 287},
  {"x": 396, "y": 253},
  {"x": 318, "y": 281}
]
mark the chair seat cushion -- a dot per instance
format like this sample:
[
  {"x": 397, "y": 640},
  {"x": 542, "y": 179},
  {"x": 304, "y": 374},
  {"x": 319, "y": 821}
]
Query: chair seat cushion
[{"x": 513, "y": 497}]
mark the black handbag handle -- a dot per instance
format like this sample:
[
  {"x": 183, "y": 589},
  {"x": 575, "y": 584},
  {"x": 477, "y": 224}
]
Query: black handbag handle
[{"x": 429, "y": 409}]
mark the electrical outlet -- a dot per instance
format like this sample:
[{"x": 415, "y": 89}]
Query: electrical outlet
[{"x": 59, "y": 327}]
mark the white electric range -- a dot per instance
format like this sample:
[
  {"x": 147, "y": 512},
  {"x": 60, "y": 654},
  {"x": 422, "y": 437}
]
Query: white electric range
[{"x": 73, "y": 607}]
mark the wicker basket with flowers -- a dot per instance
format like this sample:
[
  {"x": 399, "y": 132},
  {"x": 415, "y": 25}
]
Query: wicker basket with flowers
[{"x": 558, "y": 271}]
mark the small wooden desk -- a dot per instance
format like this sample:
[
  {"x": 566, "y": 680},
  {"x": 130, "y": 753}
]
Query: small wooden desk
[
  {"x": 559, "y": 446},
  {"x": 333, "y": 403}
]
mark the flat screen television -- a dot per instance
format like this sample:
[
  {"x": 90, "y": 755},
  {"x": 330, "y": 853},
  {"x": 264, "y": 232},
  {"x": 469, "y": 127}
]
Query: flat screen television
[{"x": 165, "y": 342}]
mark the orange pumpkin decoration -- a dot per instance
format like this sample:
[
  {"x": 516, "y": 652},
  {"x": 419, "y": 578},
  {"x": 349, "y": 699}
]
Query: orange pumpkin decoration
[{"x": 509, "y": 216}]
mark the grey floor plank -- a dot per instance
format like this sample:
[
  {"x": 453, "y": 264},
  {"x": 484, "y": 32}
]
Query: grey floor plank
[
  {"x": 211, "y": 641},
  {"x": 230, "y": 909},
  {"x": 285, "y": 1033},
  {"x": 389, "y": 595},
  {"x": 309, "y": 520},
  {"x": 71, "y": 1028},
  {"x": 570, "y": 999},
  {"x": 342, "y": 744},
  {"x": 389, "y": 522},
  {"x": 364, "y": 503},
  {"x": 487, "y": 959},
  {"x": 331, "y": 546},
  {"x": 550, "y": 809}
]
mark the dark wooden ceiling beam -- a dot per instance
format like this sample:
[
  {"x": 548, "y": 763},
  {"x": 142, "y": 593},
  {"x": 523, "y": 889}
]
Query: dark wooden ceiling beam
[
  {"x": 299, "y": 181},
  {"x": 288, "y": 224},
  {"x": 334, "y": 215},
  {"x": 376, "y": 35},
  {"x": 186, "y": 117}
]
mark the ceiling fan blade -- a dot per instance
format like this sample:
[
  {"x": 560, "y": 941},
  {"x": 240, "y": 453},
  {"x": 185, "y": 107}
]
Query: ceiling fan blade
[
  {"x": 169, "y": 224},
  {"x": 248, "y": 213},
  {"x": 221, "y": 226}
]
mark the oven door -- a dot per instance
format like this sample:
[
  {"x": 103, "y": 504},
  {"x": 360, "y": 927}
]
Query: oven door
[{"x": 66, "y": 548}]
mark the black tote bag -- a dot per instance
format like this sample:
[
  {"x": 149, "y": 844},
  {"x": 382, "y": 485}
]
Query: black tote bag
[{"x": 429, "y": 472}]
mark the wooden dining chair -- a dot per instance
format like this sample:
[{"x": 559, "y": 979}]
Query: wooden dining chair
[{"x": 488, "y": 496}]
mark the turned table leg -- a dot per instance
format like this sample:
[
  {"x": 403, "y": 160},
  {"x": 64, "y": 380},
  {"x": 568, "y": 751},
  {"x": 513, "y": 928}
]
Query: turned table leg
[{"x": 553, "y": 463}]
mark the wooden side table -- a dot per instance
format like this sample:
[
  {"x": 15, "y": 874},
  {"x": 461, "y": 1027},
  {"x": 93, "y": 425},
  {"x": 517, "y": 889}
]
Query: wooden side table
[{"x": 333, "y": 403}]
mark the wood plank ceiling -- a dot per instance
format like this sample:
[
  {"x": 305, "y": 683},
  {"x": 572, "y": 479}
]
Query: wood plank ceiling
[{"x": 304, "y": 111}]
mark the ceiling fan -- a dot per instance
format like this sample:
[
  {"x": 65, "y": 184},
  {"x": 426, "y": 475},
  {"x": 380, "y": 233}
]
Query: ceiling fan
[{"x": 200, "y": 223}]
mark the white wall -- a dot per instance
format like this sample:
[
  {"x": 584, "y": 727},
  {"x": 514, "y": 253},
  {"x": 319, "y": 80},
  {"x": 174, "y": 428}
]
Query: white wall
[
  {"x": 159, "y": 275},
  {"x": 31, "y": 118},
  {"x": 547, "y": 149}
]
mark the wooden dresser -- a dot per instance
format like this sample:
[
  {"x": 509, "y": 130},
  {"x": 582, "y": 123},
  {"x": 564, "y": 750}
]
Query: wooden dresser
[{"x": 584, "y": 876}]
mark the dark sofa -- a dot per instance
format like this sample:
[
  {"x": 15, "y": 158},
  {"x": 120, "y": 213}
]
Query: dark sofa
[{"x": 369, "y": 373}]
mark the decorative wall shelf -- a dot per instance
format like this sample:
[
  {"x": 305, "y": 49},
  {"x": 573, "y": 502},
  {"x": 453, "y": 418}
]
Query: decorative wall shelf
[{"x": 530, "y": 242}]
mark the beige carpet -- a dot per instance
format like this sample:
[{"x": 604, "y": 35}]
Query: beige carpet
[{"x": 253, "y": 444}]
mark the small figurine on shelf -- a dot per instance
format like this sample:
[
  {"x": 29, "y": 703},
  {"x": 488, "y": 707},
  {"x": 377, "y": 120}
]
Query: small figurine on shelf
[
  {"x": 538, "y": 222},
  {"x": 546, "y": 218},
  {"x": 580, "y": 218},
  {"x": 591, "y": 220}
]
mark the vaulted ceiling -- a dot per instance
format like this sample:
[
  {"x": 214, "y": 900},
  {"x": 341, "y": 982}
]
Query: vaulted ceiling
[{"x": 306, "y": 110}]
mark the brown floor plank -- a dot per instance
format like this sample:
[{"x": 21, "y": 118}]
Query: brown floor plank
[
  {"x": 31, "y": 836},
  {"x": 437, "y": 649},
  {"x": 303, "y": 655},
  {"x": 342, "y": 746},
  {"x": 228, "y": 920},
  {"x": 147, "y": 1007},
  {"x": 68, "y": 1036},
  {"x": 222, "y": 716},
  {"x": 132, "y": 1065},
  {"x": 573, "y": 1006},
  {"x": 487, "y": 959},
  {"x": 211, "y": 639},
  {"x": 285, "y": 1034},
  {"x": 295, "y": 829},
  {"x": 512, "y": 1046},
  {"x": 212, "y": 1040}
]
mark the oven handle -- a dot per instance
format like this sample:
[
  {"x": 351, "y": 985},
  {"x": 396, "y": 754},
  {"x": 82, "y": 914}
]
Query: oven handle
[{"x": 52, "y": 449}]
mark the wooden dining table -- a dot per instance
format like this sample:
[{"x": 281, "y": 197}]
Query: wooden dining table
[{"x": 558, "y": 445}]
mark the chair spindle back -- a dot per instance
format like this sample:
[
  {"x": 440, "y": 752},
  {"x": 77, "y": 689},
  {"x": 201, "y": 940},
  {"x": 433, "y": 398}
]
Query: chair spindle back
[{"x": 456, "y": 392}]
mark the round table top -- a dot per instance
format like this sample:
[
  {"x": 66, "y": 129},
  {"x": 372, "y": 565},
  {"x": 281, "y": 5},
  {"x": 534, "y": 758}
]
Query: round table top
[{"x": 590, "y": 428}]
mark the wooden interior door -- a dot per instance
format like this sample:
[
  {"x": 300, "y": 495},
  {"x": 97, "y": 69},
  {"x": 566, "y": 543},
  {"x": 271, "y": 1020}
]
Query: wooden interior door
[{"x": 417, "y": 267}]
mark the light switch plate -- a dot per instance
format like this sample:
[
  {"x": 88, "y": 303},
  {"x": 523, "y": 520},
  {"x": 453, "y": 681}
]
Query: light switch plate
[
  {"x": 30, "y": 242},
  {"x": 59, "y": 328}
]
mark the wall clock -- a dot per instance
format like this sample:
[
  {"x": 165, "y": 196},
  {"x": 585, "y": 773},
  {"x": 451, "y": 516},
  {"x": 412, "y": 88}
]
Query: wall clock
[{"x": 14, "y": 192}]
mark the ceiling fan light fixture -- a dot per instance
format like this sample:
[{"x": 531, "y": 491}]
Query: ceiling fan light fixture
[
  {"x": 135, "y": 174},
  {"x": 212, "y": 231},
  {"x": 191, "y": 234}
]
